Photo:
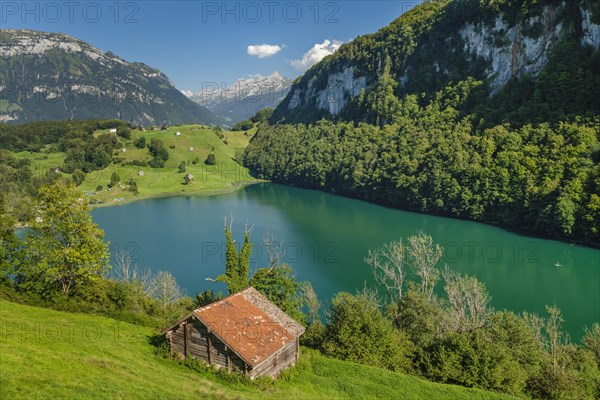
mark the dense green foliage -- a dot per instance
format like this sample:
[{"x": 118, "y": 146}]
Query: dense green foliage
[
  {"x": 433, "y": 158},
  {"x": 211, "y": 159},
  {"x": 243, "y": 125},
  {"x": 358, "y": 331},
  {"x": 140, "y": 143},
  {"x": 279, "y": 285},
  {"x": 523, "y": 355},
  {"x": 159, "y": 153},
  {"x": 237, "y": 266},
  {"x": 83, "y": 152},
  {"x": 430, "y": 134},
  {"x": 63, "y": 247},
  {"x": 66, "y": 134},
  {"x": 62, "y": 263},
  {"x": 260, "y": 117}
]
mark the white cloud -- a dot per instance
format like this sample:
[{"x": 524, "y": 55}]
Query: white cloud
[
  {"x": 187, "y": 93},
  {"x": 316, "y": 54},
  {"x": 264, "y": 50}
]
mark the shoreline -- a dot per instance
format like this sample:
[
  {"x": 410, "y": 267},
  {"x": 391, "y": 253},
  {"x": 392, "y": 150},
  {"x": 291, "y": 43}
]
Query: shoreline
[
  {"x": 507, "y": 228},
  {"x": 201, "y": 192},
  {"x": 241, "y": 184}
]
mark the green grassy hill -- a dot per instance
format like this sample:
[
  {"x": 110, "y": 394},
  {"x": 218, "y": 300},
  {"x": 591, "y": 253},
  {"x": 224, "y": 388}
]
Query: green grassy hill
[
  {"x": 194, "y": 143},
  {"x": 46, "y": 354}
]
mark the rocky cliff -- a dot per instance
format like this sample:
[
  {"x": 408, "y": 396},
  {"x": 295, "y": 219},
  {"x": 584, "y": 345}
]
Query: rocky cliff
[{"x": 441, "y": 42}]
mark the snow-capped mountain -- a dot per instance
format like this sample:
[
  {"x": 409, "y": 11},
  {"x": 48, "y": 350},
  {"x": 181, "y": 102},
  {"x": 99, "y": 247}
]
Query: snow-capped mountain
[{"x": 244, "y": 97}]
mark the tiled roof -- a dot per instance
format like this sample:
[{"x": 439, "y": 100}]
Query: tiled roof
[{"x": 250, "y": 325}]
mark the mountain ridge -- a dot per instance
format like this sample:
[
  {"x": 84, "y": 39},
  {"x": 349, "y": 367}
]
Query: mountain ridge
[
  {"x": 245, "y": 97},
  {"x": 53, "y": 76},
  {"x": 441, "y": 42}
]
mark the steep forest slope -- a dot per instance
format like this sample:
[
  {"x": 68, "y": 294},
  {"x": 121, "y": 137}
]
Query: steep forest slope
[{"x": 486, "y": 110}]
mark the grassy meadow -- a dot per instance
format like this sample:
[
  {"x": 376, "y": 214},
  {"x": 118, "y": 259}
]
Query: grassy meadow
[
  {"x": 47, "y": 354},
  {"x": 192, "y": 146}
]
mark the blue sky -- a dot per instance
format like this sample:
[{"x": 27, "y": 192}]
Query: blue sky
[{"x": 197, "y": 42}]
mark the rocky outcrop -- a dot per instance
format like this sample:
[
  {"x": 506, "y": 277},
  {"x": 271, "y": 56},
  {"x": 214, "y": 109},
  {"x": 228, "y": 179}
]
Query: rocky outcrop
[
  {"x": 470, "y": 40},
  {"x": 591, "y": 30},
  {"x": 340, "y": 87},
  {"x": 509, "y": 50}
]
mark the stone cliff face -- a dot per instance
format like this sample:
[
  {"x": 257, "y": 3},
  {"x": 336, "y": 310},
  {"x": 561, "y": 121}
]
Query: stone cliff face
[
  {"x": 340, "y": 87},
  {"x": 55, "y": 76},
  {"x": 516, "y": 53},
  {"x": 591, "y": 30},
  {"x": 505, "y": 49}
]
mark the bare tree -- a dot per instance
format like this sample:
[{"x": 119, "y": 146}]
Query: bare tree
[
  {"x": 122, "y": 265},
  {"x": 165, "y": 289},
  {"x": 549, "y": 333},
  {"x": 592, "y": 340},
  {"x": 370, "y": 295},
  {"x": 537, "y": 324},
  {"x": 554, "y": 332},
  {"x": 387, "y": 265},
  {"x": 128, "y": 271},
  {"x": 423, "y": 257},
  {"x": 273, "y": 248},
  {"x": 468, "y": 300},
  {"x": 310, "y": 299}
]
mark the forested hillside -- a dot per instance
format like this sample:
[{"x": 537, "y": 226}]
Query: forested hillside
[{"x": 486, "y": 110}]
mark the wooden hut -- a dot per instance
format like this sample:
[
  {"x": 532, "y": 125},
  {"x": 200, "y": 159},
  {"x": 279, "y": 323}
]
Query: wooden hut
[{"x": 243, "y": 332}]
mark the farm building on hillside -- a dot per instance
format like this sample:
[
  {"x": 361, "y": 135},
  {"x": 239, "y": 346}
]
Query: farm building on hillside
[{"x": 243, "y": 332}]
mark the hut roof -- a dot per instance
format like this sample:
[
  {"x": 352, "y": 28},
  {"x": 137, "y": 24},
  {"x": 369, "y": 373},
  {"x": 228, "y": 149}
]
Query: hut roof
[{"x": 249, "y": 324}]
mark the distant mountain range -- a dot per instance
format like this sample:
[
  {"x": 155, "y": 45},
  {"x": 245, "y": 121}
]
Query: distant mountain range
[
  {"x": 53, "y": 76},
  {"x": 245, "y": 97}
]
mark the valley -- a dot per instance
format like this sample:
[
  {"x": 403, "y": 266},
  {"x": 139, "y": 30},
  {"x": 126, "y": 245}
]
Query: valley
[{"x": 415, "y": 216}]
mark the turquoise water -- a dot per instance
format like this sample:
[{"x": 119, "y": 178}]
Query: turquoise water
[{"x": 326, "y": 238}]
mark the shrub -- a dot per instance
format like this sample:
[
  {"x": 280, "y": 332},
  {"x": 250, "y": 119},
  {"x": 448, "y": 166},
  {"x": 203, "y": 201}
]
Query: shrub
[
  {"x": 140, "y": 143},
  {"x": 124, "y": 132},
  {"x": 357, "y": 331},
  {"x": 78, "y": 177},
  {"x": 211, "y": 159},
  {"x": 114, "y": 179},
  {"x": 243, "y": 125}
]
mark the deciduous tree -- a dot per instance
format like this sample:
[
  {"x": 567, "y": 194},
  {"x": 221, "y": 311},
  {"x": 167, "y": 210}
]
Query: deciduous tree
[{"x": 64, "y": 246}]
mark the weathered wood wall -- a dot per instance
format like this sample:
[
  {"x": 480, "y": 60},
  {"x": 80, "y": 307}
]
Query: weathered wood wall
[
  {"x": 279, "y": 361},
  {"x": 192, "y": 339}
]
